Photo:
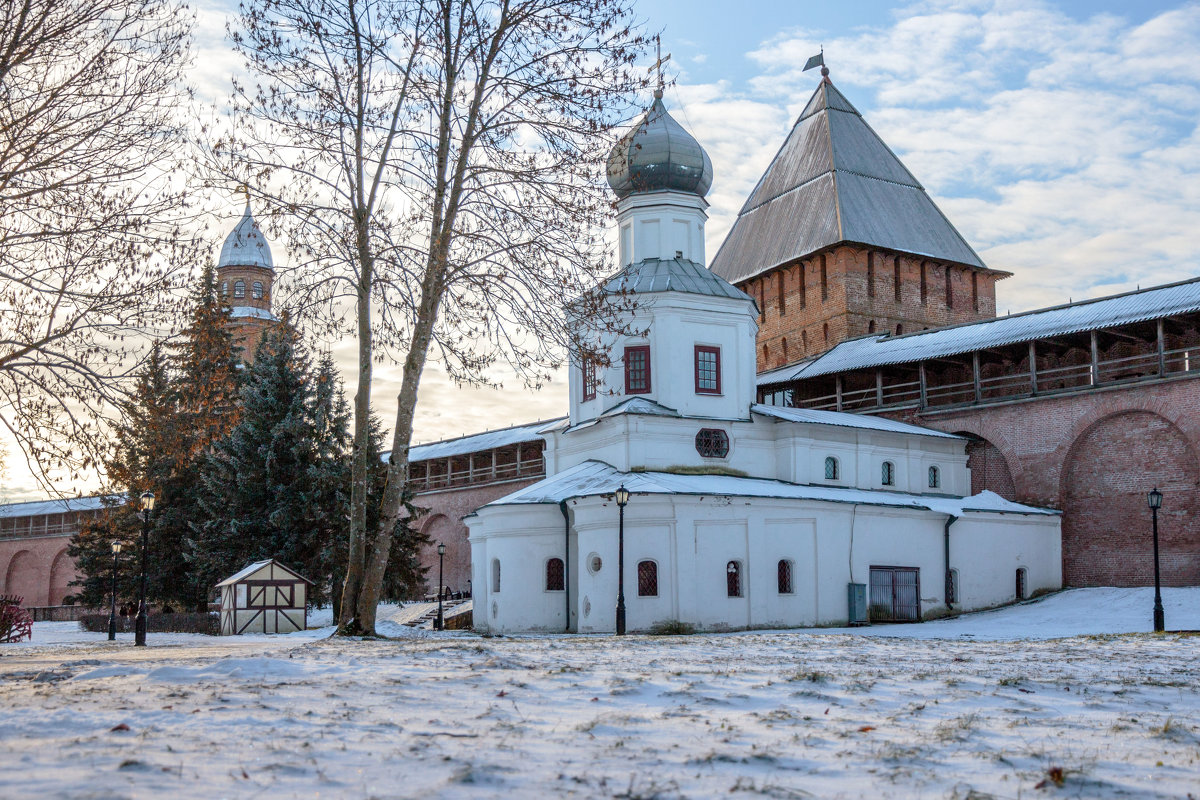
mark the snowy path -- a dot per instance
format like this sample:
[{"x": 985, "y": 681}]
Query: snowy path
[{"x": 782, "y": 715}]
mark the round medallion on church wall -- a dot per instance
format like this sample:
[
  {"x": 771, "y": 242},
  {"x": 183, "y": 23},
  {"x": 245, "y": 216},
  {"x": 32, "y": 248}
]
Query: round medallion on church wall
[{"x": 594, "y": 563}]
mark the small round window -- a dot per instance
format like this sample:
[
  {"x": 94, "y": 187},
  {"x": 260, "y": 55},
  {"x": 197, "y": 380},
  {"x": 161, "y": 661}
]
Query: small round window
[
  {"x": 594, "y": 563},
  {"x": 712, "y": 443}
]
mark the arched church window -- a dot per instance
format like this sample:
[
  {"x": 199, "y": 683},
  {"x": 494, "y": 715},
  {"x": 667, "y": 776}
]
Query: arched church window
[
  {"x": 256, "y": 290},
  {"x": 784, "y": 576},
  {"x": 589, "y": 379},
  {"x": 1022, "y": 589},
  {"x": 935, "y": 478},
  {"x": 495, "y": 575},
  {"x": 779, "y": 287},
  {"x": 239, "y": 288},
  {"x": 555, "y": 575},
  {"x": 712, "y": 443},
  {"x": 647, "y": 579},
  {"x": 949, "y": 288},
  {"x": 637, "y": 369},
  {"x": 831, "y": 469},
  {"x": 783, "y": 344},
  {"x": 733, "y": 579},
  {"x": 899, "y": 328},
  {"x": 871, "y": 326},
  {"x": 888, "y": 478},
  {"x": 224, "y": 288}
]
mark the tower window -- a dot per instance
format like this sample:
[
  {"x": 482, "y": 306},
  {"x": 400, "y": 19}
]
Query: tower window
[
  {"x": 803, "y": 290},
  {"x": 783, "y": 574},
  {"x": 779, "y": 287},
  {"x": 555, "y": 575},
  {"x": 896, "y": 270},
  {"x": 871, "y": 326},
  {"x": 239, "y": 288},
  {"x": 935, "y": 478},
  {"x": 870, "y": 274},
  {"x": 708, "y": 369},
  {"x": 975, "y": 291},
  {"x": 637, "y": 369},
  {"x": 712, "y": 443},
  {"x": 733, "y": 579},
  {"x": 824, "y": 280},
  {"x": 783, "y": 345},
  {"x": 924, "y": 283},
  {"x": 831, "y": 469},
  {"x": 589, "y": 379},
  {"x": 804, "y": 341},
  {"x": 224, "y": 288},
  {"x": 825, "y": 328},
  {"x": 256, "y": 290},
  {"x": 888, "y": 477},
  {"x": 949, "y": 288},
  {"x": 647, "y": 579}
]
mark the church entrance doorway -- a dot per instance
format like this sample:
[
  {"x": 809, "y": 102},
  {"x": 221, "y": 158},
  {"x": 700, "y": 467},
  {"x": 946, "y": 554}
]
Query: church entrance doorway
[{"x": 895, "y": 594}]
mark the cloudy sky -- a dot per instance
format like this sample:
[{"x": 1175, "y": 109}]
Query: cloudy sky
[{"x": 1061, "y": 138}]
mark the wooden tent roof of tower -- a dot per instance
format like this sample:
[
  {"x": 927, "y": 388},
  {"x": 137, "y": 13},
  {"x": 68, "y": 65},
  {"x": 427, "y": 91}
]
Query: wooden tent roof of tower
[{"x": 833, "y": 181}]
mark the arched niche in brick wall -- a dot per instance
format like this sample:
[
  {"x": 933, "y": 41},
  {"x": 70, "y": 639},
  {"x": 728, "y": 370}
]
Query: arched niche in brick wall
[
  {"x": 1106, "y": 475},
  {"x": 25, "y": 579},
  {"x": 989, "y": 467},
  {"x": 62, "y": 571}
]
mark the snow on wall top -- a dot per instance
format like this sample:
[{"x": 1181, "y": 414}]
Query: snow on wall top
[
  {"x": 1086, "y": 315},
  {"x": 518, "y": 434},
  {"x": 36, "y": 508},
  {"x": 596, "y": 478}
]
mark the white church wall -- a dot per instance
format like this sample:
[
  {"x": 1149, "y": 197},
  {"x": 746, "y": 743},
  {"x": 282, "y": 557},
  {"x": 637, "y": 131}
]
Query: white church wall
[
  {"x": 662, "y": 224},
  {"x": 988, "y": 549},
  {"x": 900, "y": 538},
  {"x": 521, "y": 539}
]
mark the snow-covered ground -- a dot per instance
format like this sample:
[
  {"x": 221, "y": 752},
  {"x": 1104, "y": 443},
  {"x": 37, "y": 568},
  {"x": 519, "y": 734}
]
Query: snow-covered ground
[{"x": 985, "y": 705}]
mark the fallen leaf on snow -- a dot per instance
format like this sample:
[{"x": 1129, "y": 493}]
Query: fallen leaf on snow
[{"x": 121, "y": 727}]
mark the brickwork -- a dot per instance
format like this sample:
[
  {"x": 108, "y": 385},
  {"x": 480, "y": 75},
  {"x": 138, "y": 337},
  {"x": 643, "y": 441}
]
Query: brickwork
[
  {"x": 444, "y": 523},
  {"x": 1095, "y": 455},
  {"x": 38, "y": 570},
  {"x": 849, "y": 291}
]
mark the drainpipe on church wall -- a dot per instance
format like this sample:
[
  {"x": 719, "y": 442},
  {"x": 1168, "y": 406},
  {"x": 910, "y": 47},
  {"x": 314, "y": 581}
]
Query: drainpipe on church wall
[
  {"x": 950, "y": 520},
  {"x": 562, "y": 506}
]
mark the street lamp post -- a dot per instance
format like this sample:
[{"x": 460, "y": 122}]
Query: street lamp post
[
  {"x": 1154, "y": 499},
  {"x": 440, "y": 622},
  {"x": 622, "y": 497},
  {"x": 139, "y": 625},
  {"x": 112, "y": 613}
]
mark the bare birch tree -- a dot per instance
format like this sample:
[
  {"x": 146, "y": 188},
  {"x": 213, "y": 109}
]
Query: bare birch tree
[
  {"x": 88, "y": 94},
  {"x": 438, "y": 167}
]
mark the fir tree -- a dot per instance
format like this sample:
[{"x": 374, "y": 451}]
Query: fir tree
[{"x": 143, "y": 459}]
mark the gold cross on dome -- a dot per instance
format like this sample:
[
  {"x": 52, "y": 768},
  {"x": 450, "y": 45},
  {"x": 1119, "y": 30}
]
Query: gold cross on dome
[
  {"x": 244, "y": 189},
  {"x": 658, "y": 65}
]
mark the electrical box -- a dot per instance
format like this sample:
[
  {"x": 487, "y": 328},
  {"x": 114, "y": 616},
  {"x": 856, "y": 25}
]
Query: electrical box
[{"x": 856, "y": 594}]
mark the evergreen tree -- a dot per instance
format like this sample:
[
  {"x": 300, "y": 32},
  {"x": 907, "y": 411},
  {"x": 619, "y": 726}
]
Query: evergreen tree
[
  {"x": 330, "y": 480},
  {"x": 143, "y": 458}
]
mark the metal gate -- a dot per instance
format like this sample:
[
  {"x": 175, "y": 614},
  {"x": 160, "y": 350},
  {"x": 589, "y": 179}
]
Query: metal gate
[{"x": 895, "y": 594}]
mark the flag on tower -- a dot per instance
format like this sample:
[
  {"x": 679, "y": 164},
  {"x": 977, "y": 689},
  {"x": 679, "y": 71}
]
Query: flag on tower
[{"x": 815, "y": 61}]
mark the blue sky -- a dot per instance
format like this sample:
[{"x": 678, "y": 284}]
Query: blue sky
[{"x": 1061, "y": 138}]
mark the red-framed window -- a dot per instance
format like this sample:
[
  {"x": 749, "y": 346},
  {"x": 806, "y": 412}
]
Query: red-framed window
[
  {"x": 637, "y": 369},
  {"x": 589, "y": 379},
  {"x": 708, "y": 369}
]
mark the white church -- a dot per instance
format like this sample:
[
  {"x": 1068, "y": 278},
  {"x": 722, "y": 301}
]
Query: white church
[{"x": 736, "y": 515}]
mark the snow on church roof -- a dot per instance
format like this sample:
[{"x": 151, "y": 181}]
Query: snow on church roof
[
  {"x": 593, "y": 478},
  {"x": 36, "y": 508},
  {"x": 842, "y": 419},
  {"x": 1086, "y": 315}
]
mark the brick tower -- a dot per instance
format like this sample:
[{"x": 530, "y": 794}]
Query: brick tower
[
  {"x": 245, "y": 274},
  {"x": 838, "y": 240}
]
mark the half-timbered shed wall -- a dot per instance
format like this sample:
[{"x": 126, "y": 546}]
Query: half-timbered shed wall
[{"x": 265, "y": 597}]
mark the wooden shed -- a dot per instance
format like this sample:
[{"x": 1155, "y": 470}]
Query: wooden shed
[{"x": 265, "y": 597}]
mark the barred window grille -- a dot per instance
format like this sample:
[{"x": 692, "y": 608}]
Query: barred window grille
[
  {"x": 555, "y": 575},
  {"x": 239, "y": 288},
  {"x": 935, "y": 478},
  {"x": 647, "y": 579},
  {"x": 733, "y": 579},
  {"x": 889, "y": 474},
  {"x": 495, "y": 575},
  {"x": 785, "y": 576},
  {"x": 589, "y": 379},
  {"x": 831, "y": 469},
  {"x": 712, "y": 443},
  {"x": 256, "y": 290}
]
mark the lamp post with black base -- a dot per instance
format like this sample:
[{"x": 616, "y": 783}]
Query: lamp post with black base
[
  {"x": 1154, "y": 499},
  {"x": 112, "y": 614},
  {"x": 622, "y": 498},
  {"x": 440, "y": 622},
  {"x": 139, "y": 625}
]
